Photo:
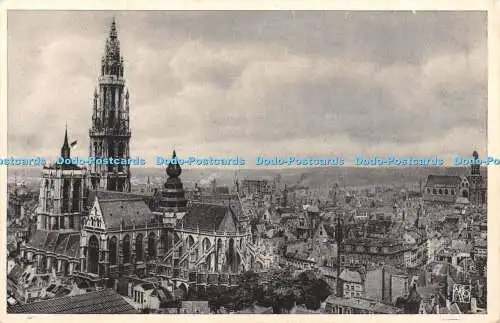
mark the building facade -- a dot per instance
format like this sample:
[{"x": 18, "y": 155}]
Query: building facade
[
  {"x": 450, "y": 189},
  {"x": 90, "y": 226}
]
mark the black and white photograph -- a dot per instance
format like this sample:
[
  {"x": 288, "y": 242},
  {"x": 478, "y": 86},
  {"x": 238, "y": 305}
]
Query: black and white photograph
[{"x": 247, "y": 162}]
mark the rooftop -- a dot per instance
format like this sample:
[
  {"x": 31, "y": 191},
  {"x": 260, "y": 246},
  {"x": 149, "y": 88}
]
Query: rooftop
[
  {"x": 351, "y": 276},
  {"x": 100, "y": 302},
  {"x": 445, "y": 180},
  {"x": 364, "y": 304}
]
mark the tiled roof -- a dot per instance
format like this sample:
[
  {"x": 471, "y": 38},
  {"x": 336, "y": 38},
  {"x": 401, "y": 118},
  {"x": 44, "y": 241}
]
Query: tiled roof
[
  {"x": 112, "y": 195},
  {"x": 100, "y": 302},
  {"x": 363, "y": 304},
  {"x": 299, "y": 251},
  {"x": 52, "y": 240},
  {"x": 446, "y": 180},
  {"x": 15, "y": 273},
  {"x": 62, "y": 243},
  {"x": 207, "y": 217},
  {"x": 128, "y": 212},
  {"x": 73, "y": 246},
  {"x": 373, "y": 241},
  {"x": 51, "y": 288},
  {"x": 38, "y": 239},
  {"x": 351, "y": 276},
  {"x": 62, "y": 292}
]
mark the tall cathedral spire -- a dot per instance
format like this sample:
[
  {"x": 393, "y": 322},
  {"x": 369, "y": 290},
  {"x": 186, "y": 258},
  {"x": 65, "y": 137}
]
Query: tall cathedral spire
[
  {"x": 65, "y": 149},
  {"x": 112, "y": 62},
  {"x": 110, "y": 132},
  {"x": 112, "y": 32}
]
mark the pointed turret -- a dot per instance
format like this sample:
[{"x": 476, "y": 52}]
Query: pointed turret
[
  {"x": 112, "y": 31},
  {"x": 112, "y": 62},
  {"x": 65, "y": 149}
]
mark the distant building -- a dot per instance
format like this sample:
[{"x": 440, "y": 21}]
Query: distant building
[
  {"x": 352, "y": 283},
  {"x": 257, "y": 187},
  {"x": 445, "y": 188},
  {"x": 337, "y": 305},
  {"x": 366, "y": 251},
  {"x": 478, "y": 184},
  {"x": 194, "y": 307},
  {"x": 480, "y": 250},
  {"x": 385, "y": 284},
  {"x": 449, "y": 189}
]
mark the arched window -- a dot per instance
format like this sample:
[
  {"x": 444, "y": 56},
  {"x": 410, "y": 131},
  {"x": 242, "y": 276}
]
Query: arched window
[
  {"x": 126, "y": 249},
  {"x": 446, "y": 191},
  {"x": 190, "y": 241},
  {"x": 434, "y": 191},
  {"x": 93, "y": 255},
  {"x": 152, "y": 245},
  {"x": 139, "y": 254},
  {"x": 206, "y": 245},
  {"x": 163, "y": 241},
  {"x": 113, "y": 254},
  {"x": 440, "y": 191}
]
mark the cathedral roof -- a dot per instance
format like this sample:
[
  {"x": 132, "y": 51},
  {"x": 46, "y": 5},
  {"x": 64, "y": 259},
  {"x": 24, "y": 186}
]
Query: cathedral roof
[
  {"x": 61, "y": 243},
  {"x": 207, "y": 217},
  {"x": 116, "y": 196},
  {"x": 125, "y": 212},
  {"x": 447, "y": 180}
]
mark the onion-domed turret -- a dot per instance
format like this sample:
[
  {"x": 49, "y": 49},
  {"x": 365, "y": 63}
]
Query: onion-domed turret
[
  {"x": 172, "y": 197},
  {"x": 173, "y": 168}
]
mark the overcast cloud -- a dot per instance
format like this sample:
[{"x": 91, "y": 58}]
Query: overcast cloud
[{"x": 249, "y": 83}]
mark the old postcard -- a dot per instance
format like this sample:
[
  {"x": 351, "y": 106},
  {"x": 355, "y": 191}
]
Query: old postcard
[{"x": 325, "y": 162}]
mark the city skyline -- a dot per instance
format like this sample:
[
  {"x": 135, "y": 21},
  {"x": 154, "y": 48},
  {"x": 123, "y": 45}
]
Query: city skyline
[
  {"x": 259, "y": 78},
  {"x": 310, "y": 239}
]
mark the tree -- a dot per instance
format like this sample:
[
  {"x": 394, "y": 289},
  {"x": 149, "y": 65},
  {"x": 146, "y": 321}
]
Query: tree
[
  {"x": 314, "y": 290},
  {"x": 240, "y": 298},
  {"x": 216, "y": 297},
  {"x": 284, "y": 300}
]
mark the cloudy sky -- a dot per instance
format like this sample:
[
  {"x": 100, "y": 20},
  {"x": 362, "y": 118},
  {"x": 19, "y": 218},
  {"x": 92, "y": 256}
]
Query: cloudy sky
[{"x": 250, "y": 83}]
